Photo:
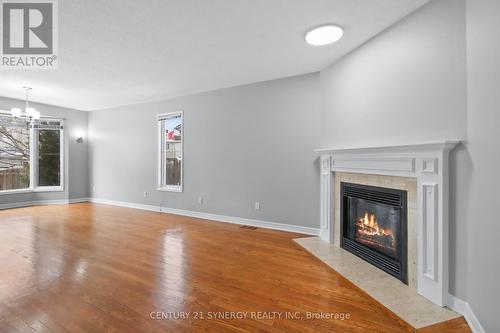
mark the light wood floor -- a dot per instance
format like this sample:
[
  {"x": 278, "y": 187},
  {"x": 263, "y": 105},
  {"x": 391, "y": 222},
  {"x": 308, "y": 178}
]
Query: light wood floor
[{"x": 97, "y": 268}]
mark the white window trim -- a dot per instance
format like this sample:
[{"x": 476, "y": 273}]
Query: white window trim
[
  {"x": 34, "y": 160},
  {"x": 161, "y": 142},
  {"x": 34, "y": 163}
]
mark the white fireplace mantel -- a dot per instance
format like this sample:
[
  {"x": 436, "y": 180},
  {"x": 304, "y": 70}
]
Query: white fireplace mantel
[{"x": 428, "y": 163}]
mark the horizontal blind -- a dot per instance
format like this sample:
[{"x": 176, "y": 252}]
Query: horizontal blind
[
  {"x": 169, "y": 116},
  {"x": 49, "y": 125},
  {"x": 8, "y": 121}
]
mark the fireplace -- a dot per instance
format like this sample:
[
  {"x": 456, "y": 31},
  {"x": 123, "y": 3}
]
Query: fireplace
[{"x": 374, "y": 226}]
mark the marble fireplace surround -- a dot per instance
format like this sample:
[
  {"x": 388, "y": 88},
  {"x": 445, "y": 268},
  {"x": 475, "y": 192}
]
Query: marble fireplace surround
[
  {"x": 427, "y": 165},
  {"x": 400, "y": 183}
]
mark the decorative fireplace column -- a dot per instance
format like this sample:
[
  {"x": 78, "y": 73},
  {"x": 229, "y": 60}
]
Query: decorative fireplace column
[{"x": 428, "y": 163}]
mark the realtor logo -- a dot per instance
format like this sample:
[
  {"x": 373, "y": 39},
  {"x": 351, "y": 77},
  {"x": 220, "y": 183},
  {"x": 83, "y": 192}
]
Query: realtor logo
[{"x": 29, "y": 34}]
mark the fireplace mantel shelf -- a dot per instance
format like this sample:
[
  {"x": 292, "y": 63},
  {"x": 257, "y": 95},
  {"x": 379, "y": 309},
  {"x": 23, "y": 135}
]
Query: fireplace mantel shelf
[
  {"x": 429, "y": 164},
  {"x": 440, "y": 145}
]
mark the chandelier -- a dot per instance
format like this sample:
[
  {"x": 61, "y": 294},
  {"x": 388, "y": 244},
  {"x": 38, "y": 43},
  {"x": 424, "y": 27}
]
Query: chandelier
[{"x": 30, "y": 114}]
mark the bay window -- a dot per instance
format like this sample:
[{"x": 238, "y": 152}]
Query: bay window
[{"x": 31, "y": 155}]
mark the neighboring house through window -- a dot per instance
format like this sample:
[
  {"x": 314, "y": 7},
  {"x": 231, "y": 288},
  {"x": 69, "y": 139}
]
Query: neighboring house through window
[{"x": 170, "y": 167}]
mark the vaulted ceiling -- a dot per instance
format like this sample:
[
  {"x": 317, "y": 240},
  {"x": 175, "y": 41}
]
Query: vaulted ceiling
[{"x": 118, "y": 52}]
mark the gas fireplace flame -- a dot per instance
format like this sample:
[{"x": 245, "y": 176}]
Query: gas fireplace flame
[
  {"x": 370, "y": 233},
  {"x": 368, "y": 225}
]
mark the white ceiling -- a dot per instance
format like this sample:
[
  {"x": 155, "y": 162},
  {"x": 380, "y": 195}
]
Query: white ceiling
[{"x": 119, "y": 52}]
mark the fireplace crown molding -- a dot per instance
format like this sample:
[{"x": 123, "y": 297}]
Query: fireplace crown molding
[
  {"x": 405, "y": 160},
  {"x": 440, "y": 145},
  {"x": 429, "y": 164}
]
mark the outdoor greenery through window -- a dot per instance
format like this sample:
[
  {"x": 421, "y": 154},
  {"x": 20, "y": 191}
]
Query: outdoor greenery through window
[
  {"x": 30, "y": 154},
  {"x": 171, "y": 127},
  {"x": 49, "y": 154}
]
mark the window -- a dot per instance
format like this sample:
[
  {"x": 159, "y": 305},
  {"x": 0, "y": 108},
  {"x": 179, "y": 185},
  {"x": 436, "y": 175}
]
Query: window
[
  {"x": 30, "y": 155},
  {"x": 14, "y": 155},
  {"x": 49, "y": 162},
  {"x": 170, "y": 126}
]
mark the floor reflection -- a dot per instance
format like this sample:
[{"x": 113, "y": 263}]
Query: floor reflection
[
  {"x": 39, "y": 251},
  {"x": 170, "y": 286}
]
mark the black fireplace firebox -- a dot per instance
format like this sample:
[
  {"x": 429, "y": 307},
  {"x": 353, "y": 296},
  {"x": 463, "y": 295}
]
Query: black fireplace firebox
[{"x": 374, "y": 226}]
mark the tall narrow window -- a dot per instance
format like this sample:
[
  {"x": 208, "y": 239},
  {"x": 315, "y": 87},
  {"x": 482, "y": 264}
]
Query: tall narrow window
[
  {"x": 49, "y": 153},
  {"x": 14, "y": 154},
  {"x": 171, "y": 147}
]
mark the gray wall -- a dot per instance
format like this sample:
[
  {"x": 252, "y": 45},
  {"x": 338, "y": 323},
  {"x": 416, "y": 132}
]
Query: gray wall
[
  {"x": 409, "y": 85},
  {"x": 76, "y": 155},
  {"x": 483, "y": 146},
  {"x": 406, "y": 85},
  {"x": 241, "y": 145}
]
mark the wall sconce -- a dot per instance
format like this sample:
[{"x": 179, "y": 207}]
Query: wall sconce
[{"x": 79, "y": 140}]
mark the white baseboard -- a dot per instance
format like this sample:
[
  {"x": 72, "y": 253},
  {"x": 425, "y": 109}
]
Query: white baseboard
[
  {"x": 243, "y": 221},
  {"x": 78, "y": 200},
  {"x": 213, "y": 217},
  {"x": 16, "y": 205},
  {"x": 51, "y": 202},
  {"x": 42, "y": 203},
  {"x": 126, "y": 204},
  {"x": 201, "y": 215},
  {"x": 462, "y": 307}
]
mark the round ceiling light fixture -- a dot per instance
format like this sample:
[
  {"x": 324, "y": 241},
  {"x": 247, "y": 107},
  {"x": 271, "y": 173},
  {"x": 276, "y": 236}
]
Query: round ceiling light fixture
[{"x": 325, "y": 34}]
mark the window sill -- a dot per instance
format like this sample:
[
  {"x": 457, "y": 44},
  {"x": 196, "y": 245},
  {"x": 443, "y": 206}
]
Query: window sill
[
  {"x": 48, "y": 189},
  {"x": 170, "y": 189},
  {"x": 21, "y": 191},
  {"x": 36, "y": 190}
]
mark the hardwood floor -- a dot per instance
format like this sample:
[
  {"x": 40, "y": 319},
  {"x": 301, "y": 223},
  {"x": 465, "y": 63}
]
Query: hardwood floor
[
  {"x": 97, "y": 268},
  {"x": 458, "y": 325}
]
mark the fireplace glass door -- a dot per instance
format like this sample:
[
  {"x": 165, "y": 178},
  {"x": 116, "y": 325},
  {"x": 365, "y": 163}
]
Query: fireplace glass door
[{"x": 373, "y": 226}]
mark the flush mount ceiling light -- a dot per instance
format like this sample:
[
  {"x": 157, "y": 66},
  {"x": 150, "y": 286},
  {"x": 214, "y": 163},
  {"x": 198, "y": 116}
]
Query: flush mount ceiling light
[{"x": 324, "y": 35}]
